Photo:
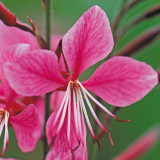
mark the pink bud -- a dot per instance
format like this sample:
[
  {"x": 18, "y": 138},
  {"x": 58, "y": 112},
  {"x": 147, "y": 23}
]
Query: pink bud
[
  {"x": 141, "y": 146},
  {"x": 6, "y": 16}
]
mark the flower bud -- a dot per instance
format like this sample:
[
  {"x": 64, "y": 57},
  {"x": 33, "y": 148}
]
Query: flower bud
[{"x": 6, "y": 16}]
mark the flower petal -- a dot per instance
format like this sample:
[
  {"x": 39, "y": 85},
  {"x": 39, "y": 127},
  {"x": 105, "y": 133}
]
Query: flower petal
[
  {"x": 8, "y": 55},
  {"x": 122, "y": 81},
  {"x": 61, "y": 149},
  {"x": 55, "y": 41},
  {"x": 39, "y": 103},
  {"x": 56, "y": 99},
  {"x": 54, "y": 44},
  {"x": 35, "y": 73},
  {"x": 18, "y": 36},
  {"x": 27, "y": 128},
  {"x": 88, "y": 41}
]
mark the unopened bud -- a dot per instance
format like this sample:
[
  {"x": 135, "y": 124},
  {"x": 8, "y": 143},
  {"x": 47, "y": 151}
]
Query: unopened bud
[
  {"x": 141, "y": 146},
  {"x": 6, "y": 16}
]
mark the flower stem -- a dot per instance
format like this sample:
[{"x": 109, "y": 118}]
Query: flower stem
[
  {"x": 47, "y": 113},
  {"x": 47, "y": 96},
  {"x": 48, "y": 23}
]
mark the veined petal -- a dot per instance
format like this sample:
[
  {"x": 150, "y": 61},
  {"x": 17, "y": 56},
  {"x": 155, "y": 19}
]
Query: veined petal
[
  {"x": 35, "y": 73},
  {"x": 55, "y": 41},
  {"x": 56, "y": 99},
  {"x": 88, "y": 41},
  {"x": 39, "y": 103},
  {"x": 18, "y": 36},
  {"x": 27, "y": 128},
  {"x": 122, "y": 81},
  {"x": 10, "y": 54}
]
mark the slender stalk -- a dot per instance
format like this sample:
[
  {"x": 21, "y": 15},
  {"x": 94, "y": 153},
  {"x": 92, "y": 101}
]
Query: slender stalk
[
  {"x": 47, "y": 113},
  {"x": 93, "y": 147},
  {"x": 47, "y": 96},
  {"x": 48, "y": 23}
]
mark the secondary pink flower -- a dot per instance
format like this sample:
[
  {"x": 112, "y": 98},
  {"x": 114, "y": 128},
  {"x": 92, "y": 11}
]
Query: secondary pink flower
[
  {"x": 119, "y": 81},
  {"x": 38, "y": 101},
  {"x": 141, "y": 146},
  {"x": 23, "y": 119},
  {"x": 18, "y": 36}
]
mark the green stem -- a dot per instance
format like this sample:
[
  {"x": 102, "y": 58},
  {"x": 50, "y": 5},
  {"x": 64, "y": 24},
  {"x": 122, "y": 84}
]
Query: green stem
[
  {"x": 47, "y": 113},
  {"x": 48, "y": 23},
  {"x": 47, "y": 96}
]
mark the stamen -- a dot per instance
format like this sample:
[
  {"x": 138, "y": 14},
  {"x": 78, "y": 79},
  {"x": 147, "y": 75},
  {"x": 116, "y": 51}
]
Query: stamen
[
  {"x": 100, "y": 105},
  {"x": 96, "y": 118},
  {"x": 1, "y": 126},
  {"x": 69, "y": 118},
  {"x": 75, "y": 106},
  {"x": 4, "y": 122},
  {"x": 79, "y": 117},
  {"x": 85, "y": 114},
  {"x": 6, "y": 136},
  {"x": 62, "y": 104},
  {"x": 63, "y": 114}
]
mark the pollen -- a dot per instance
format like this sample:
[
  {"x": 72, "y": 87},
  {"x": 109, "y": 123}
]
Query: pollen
[
  {"x": 2, "y": 114},
  {"x": 74, "y": 84}
]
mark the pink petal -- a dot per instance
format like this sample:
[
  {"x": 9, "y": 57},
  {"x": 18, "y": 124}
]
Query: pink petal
[
  {"x": 27, "y": 128},
  {"x": 1, "y": 90},
  {"x": 39, "y": 103},
  {"x": 88, "y": 41},
  {"x": 122, "y": 81},
  {"x": 61, "y": 148},
  {"x": 35, "y": 73},
  {"x": 8, "y": 55},
  {"x": 56, "y": 99},
  {"x": 140, "y": 147},
  {"x": 55, "y": 41},
  {"x": 54, "y": 44},
  {"x": 18, "y": 36}
]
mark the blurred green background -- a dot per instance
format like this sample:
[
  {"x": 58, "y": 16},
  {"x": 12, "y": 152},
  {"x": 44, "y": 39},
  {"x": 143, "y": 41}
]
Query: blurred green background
[{"x": 145, "y": 113}]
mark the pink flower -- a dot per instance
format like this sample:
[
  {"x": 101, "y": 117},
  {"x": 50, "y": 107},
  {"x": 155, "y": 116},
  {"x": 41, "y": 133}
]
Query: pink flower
[
  {"x": 120, "y": 81},
  {"x": 23, "y": 119},
  {"x": 141, "y": 146},
  {"x": 18, "y": 36}
]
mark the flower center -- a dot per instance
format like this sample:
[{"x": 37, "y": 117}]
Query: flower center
[
  {"x": 74, "y": 97},
  {"x": 74, "y": 84}
]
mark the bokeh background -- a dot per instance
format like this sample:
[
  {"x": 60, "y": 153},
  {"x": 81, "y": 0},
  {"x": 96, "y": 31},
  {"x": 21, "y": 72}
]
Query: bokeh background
[{"x": 143, "y": 114}]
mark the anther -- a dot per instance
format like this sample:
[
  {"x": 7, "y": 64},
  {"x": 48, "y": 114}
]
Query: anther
[{"x": 118, "y": 120}]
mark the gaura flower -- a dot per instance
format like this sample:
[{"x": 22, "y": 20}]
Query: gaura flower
[
  {"x": 18, "y": 36},
  {"x": 24, "y": 119},
  {"x": 120, "y": 81},
  {"x": 141, "y": 146}
]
